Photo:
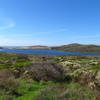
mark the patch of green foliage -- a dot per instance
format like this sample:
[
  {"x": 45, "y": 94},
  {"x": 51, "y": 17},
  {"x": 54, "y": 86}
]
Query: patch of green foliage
[
  {"x": 65, "y": 91},
  {"x": 18, "y": 66},
  {"x": 23, "y": 87},
  {"x": 96, "y": 68},
  {"x": 33, "y": 91},
  {"x": 14, "y": 62}
]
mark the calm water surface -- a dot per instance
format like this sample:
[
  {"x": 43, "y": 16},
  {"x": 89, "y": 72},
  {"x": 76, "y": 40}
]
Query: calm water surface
[{"x": 44, "y": 52}]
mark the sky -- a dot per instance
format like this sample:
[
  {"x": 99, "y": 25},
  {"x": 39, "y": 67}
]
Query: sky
[{"x": 49, "y": 22}]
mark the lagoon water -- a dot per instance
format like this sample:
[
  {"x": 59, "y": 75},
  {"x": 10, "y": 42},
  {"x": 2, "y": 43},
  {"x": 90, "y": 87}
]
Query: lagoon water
[{"x": 43, "y": 52}]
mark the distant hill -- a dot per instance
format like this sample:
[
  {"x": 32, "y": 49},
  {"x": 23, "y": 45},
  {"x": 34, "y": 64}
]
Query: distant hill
[
  {"x": 37, "y": 47},
  {"x": 1, "y": 47},
  {"x": 78, "y": 48},
  {"x": 68, "y": 48},
  {"x": 33, "y": 47}
]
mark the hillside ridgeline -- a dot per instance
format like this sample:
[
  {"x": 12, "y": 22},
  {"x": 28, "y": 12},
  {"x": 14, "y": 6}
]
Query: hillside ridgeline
[
  {"x": 68, "y": 48},
  {"x": 78, "y": 48}
]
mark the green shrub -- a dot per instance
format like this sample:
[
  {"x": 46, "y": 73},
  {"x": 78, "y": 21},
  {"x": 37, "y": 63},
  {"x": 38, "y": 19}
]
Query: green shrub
[
  {"x": 21, "y": 60},
  {"x": 18, "y": 66},
  {"x": 66, "y": 92},
  {"x": 96, "y": 68}
]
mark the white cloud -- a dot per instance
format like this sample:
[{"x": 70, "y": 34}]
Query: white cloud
[
  {"x": 5, "y": 21},
  {"x": 7, "y": 26},
  {"x": 4, "y": 41}
]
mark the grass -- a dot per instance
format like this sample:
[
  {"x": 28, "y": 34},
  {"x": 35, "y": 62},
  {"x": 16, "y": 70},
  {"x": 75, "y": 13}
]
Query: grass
[
  {"x": 23, "y": 87},
  {"x": 96, "y": 68},
  {"x": 34, "y": 90},
  {"x": 23, "y": 90},
  {"x": 12, "y": 62},
  {"x": 18, "y": 66},
  {"x": 65, "y": 91}
]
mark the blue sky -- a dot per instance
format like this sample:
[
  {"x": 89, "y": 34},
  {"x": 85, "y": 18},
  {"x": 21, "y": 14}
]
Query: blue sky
[{"x": 49, "y": 22}]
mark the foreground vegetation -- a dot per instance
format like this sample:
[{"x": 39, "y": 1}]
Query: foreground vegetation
[{"x": 27, "y": 77}]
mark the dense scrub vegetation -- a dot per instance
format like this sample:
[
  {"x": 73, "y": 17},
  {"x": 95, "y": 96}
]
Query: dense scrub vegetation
[{"x": 28, "y": 77}]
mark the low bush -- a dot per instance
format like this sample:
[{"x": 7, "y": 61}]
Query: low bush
[{"x": 66, "y": 92}]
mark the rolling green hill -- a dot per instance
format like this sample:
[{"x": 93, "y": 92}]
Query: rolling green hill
[
  {"x": 78, "y": 48},
  {"x": 68, "y": 48}
]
